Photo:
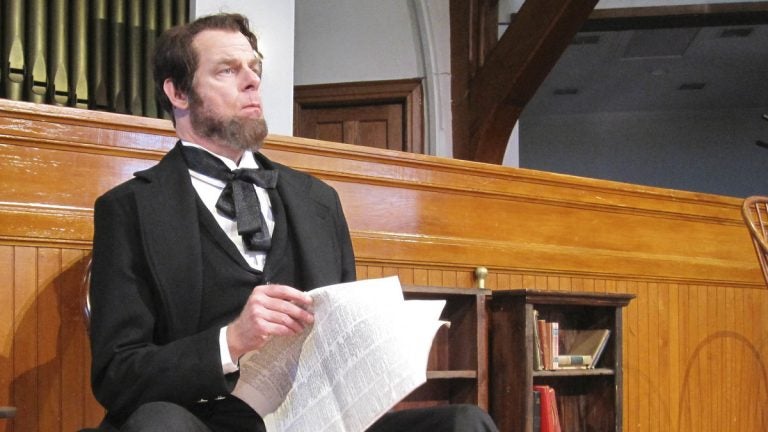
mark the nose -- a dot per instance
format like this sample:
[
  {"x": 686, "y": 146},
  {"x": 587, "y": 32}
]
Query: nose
[{"x": 252, "y": 80}]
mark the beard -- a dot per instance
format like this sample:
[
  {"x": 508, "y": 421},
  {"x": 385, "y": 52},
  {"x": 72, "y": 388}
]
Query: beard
[{"x": 240, "y": 133}]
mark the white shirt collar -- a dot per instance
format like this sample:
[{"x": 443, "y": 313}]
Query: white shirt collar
[{"x": 246, "y": 161}]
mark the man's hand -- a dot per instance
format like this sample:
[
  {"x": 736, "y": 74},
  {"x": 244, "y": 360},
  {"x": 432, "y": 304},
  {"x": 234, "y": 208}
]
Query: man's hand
[{"x": 271, "y": 310}]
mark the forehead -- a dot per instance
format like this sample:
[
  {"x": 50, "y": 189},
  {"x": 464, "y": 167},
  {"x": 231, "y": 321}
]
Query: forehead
[{"x": 222, "y": 45}]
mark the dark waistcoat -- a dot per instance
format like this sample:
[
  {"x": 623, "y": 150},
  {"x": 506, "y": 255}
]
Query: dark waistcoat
[
  {"x": 227, "y": 278},
  {"x": 227, "y": 282}
]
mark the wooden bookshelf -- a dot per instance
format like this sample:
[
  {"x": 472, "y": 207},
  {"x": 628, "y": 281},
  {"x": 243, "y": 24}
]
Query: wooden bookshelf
[
  {"x": 457, "y": 367},
  {"x": 588, "y": 399}
]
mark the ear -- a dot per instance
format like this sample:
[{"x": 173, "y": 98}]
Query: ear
[{"x": 177, "y": 97}]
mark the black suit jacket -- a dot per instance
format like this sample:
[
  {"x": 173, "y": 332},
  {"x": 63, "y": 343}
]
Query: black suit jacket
[{"x": 146, "y": 282}]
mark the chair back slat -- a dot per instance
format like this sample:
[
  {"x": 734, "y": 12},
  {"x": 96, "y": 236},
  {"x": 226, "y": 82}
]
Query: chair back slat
[{"x": 754, "y": 210}]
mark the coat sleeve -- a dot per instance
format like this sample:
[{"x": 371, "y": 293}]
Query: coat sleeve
[
  {"x": 133, "y": 360},
  {"x": 348, "y": 272}
]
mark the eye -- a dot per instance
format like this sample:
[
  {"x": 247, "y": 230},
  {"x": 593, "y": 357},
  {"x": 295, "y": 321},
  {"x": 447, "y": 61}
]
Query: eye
[{"x": 227, "y": 71}]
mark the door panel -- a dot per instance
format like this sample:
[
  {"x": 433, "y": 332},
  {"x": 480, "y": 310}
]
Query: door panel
[
  {"x": 378, "y": 126},
  {"x": 381, "y": 114}
]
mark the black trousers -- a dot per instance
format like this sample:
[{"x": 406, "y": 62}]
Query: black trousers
[
  {"x": 168, "y": 417},
  {"x": 443, "y": 418}
]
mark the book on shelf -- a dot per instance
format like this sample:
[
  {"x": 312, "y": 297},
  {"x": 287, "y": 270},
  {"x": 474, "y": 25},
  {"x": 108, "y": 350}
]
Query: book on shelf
[
  {"x": 555, "y": 344},
  {"x": 601, "y": 348},
  {"x": 538, "y": 362},
  {"x": 536, "y": 411},
  {"x": 571, "y": 361},
  {"x": 584, "y": 344},
  {"x": 546, "y": 343},
  {"x": 550, "y": 419},
  {"x": 545, "y": 340}
]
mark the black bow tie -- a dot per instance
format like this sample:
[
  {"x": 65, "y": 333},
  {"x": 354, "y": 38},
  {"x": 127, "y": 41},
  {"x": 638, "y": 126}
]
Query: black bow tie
[{"x": 238, "y": 201}]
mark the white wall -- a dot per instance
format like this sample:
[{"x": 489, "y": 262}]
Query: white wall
[
  {"x": 333, "y": 41},
  {"x": 372, "y": 40},
  {"x": 273, "y": 22},
  {"x": 355, "y": 40},
  {"x": 432, "y": 18}
]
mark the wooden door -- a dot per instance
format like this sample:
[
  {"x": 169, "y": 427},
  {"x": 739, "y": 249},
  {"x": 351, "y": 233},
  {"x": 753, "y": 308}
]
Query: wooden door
[
  {"x": 382, "y": 114},
  {"x": 379, "y": 126}
]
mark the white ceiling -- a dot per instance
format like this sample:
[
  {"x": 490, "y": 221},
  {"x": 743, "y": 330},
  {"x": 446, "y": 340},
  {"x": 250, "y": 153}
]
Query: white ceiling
[{"x": 699, "y": 68}]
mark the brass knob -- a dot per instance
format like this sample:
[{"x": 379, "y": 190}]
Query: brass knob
[{"x": 480, "y": 274}]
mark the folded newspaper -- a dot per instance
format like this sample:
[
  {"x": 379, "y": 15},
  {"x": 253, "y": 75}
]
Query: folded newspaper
[{"x": 366, "y": 351}]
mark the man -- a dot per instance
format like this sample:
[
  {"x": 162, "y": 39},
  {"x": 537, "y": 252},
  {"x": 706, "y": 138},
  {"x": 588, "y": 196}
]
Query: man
[{"x": 207, "y": 255}]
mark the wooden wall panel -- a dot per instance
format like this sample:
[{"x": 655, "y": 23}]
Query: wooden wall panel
[
  {"x": 7, "y": 327},
  {"x": 696, "y": 345},
  {"x": 45, "y": 358},
  {"x": 695, "y": 355}
]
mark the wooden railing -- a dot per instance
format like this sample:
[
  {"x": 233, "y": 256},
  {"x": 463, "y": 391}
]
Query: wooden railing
[{"x": 695, "y": 338}]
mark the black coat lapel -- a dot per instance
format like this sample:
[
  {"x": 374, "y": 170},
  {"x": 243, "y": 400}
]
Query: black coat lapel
[
  {"x": 310, "y": 224},
  {"x": 171, "y": 230},
  {"x": 171, "y": 234}
]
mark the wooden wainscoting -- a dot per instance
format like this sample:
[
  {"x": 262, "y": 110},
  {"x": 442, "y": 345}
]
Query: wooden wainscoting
[
  {"x": 695, "y": 338},
  {"x": 44, "y": 356},
  {"x": 54, "y": 162}
]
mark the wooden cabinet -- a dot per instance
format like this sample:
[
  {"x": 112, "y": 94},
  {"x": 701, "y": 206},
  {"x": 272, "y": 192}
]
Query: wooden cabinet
[
  {"x": 457, "y": 367},
  {"x": 588, "y": 399}
]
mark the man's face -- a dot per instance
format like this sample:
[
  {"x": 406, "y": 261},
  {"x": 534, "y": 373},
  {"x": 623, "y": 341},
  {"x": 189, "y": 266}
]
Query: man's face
[{"x": 225, "y": 101}]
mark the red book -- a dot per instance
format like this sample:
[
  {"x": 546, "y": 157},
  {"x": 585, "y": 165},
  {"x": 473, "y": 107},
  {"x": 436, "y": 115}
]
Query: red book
[{"x": 550, "y": 421}]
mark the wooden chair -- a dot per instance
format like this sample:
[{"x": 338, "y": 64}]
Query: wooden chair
[
  {"x": 754, "y": 210},
  {"x": 85, "y": 287}
]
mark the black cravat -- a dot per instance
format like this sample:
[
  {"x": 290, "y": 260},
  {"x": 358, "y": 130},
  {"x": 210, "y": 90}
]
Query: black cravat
[{"x": 238, "y": 201}]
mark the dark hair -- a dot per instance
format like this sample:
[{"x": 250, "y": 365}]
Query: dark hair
[{"x": 175, "y": 58}]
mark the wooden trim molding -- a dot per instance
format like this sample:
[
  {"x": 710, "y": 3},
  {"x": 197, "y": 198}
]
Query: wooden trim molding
[
  {"x": 403, "y": 208},
  {"x": 457, "y": 214},
  {"x": 698, "y": 321}
]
